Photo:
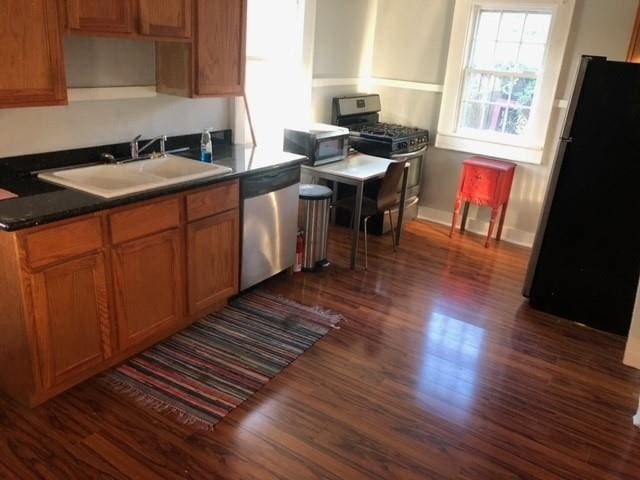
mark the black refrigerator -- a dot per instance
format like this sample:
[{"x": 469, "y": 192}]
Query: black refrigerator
[{"x": 585, "y": 262}]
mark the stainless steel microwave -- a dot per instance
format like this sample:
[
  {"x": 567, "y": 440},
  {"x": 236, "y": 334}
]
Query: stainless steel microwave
[{"x": 320, "y": 143}]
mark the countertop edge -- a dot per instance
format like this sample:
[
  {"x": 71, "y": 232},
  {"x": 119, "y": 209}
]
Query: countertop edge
[{"x": 141, "y": 197}]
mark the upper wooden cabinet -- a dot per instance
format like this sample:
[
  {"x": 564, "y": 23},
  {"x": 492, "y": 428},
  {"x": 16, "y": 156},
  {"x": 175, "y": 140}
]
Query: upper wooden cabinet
[
  {"x": 158, "y": 19},
  {"x": 220, "y": 47},
  {"x": 200, "y": 44},
  {"x": 214, "y": 64},
  {"x": 166, "y": 18},
  {"x": 100, "y": 16},
  {"x": 31, "y": 62}
]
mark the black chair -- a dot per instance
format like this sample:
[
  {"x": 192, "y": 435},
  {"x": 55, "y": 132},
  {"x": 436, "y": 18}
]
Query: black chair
[{"x": 386, "y": 200}]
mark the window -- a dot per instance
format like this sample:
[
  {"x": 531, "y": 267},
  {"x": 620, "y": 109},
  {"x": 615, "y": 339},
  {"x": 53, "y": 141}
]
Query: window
[
  {"x": 504, "y": 61},
  {"x": 275, "y": 73}
]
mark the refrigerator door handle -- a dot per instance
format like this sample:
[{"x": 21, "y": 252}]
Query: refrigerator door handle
[{"x": 566, "y": 139}]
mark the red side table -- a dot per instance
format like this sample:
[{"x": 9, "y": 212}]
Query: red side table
[{"x": 484, "y": 182}]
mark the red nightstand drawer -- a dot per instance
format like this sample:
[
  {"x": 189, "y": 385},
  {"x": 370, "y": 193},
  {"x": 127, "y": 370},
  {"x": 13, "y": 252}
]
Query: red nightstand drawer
[{"x": 480, "y": 184}]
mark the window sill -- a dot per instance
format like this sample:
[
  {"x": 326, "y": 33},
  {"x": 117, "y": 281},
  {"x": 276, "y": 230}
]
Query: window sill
[{"x": 517, "y": 153}]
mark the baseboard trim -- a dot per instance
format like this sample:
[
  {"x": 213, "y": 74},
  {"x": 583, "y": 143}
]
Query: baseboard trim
[{"x": 510, "y": 235}]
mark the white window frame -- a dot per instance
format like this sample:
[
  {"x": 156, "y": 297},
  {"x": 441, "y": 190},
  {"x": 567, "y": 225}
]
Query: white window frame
[{"x": 526, "y": 148}]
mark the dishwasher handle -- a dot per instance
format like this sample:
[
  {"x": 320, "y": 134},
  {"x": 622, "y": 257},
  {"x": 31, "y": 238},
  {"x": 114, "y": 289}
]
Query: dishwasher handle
[{"x": 266, "y": 182}]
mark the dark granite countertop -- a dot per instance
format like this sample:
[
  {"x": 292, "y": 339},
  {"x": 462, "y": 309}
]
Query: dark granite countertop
[{"x": 39, "y": 202}]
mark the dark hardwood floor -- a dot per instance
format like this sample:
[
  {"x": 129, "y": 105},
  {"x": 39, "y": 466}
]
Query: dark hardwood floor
[{"x": 440, "y": 371}]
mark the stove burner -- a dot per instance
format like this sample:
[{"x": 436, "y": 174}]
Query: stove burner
[{"x": 390, "y": 130}]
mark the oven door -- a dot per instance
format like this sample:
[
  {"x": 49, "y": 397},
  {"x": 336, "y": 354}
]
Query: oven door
[
  {"x": 414, "y": 181},
  {"x": 331, "y": 149}
]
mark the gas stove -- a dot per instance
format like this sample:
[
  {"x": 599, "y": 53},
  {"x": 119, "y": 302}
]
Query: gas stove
[
  {"x": 360, "y": 114},
  {"x": 387, "y": 139}
]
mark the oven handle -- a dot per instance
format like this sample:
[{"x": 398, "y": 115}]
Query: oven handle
[{"x": 417, "y": 153}]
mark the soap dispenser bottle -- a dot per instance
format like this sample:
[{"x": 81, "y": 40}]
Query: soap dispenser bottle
[{"x": 206, "y": 147}]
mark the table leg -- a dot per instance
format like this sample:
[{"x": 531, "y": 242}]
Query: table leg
[
  {"x": 494, "y": 214},
  {"x": 501, "y": 222},
  {"x": 403, "y": 201},
  {"x": 334, "y": 200},
  {"x": 465, "y": 213},
  {"x": 357, "y": 213}
]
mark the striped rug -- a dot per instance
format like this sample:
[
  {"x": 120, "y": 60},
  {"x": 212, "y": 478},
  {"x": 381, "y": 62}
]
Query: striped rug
[{"x": 202, "y": 373}]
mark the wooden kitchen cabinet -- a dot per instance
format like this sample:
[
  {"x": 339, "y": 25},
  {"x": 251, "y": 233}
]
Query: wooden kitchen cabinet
[
  {"x": 100, "y": 16},
  {"x": 31, "y": 60},
  {"x": 220, "y": 47},
  {"x": 72, "y": 318},
  {"x": 166, "y": 18},
  {"x": 81, "y": 295},
  {"x": 214, "y": 64},
  {"x": 148, "y": 286},
  {"x": 213, "y": 259}
]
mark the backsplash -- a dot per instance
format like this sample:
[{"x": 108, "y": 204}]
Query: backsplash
[{"x": 25, "y": 164}]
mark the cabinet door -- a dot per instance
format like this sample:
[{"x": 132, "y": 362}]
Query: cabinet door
[
  {"x": 73, "y": 325},
  {"x": 220, "y": 47},
  {"x": 148, "y": 286},
  {"x": 213, "y": 260},
  {"x": 100, "y": 16},
  {"x": 31, "y": 62},
  {"x": 166, "y": 18}
]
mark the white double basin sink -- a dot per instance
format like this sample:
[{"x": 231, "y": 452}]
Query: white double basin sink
[{"x": 110, "y": 181}]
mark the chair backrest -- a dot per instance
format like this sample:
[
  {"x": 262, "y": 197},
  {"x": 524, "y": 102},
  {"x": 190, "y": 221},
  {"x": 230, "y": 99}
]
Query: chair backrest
[{"x": 388, "y": 193}]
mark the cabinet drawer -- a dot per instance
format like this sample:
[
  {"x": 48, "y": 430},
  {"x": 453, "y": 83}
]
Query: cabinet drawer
[
  {"x": 145, "y": 220},
  {"x": 480, "y": 183},
  {"x": 212, "y": 201},
  {"x": 51, "y": 245}
]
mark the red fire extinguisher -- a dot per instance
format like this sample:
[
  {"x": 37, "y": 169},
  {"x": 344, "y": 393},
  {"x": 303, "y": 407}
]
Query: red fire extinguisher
[{"x": 299, "y": 252}]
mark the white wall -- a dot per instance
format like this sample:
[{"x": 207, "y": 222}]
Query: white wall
[
  {"x": 411, "y": 43},
  {"x": 98, "y": 63},
  {"x": 344, "y": 31},
  {"x": 343, "y": 48},
  {"x": 109, "y": 62}
]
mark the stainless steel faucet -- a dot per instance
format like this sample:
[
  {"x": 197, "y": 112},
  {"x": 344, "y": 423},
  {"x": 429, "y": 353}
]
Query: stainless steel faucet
[{"x": 136, "y": 149}]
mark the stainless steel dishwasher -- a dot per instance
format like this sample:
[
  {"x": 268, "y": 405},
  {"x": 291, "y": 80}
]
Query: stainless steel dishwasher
[{"x": 270, "y": 223}]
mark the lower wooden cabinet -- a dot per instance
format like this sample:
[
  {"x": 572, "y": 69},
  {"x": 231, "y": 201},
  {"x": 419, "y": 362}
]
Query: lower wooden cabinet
[
  {"x": 148, "y": 286},
  {"x": 213, "y": 260},
  {"x": 79, "y": 296},
  {"x": 72, "y": 319}
]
